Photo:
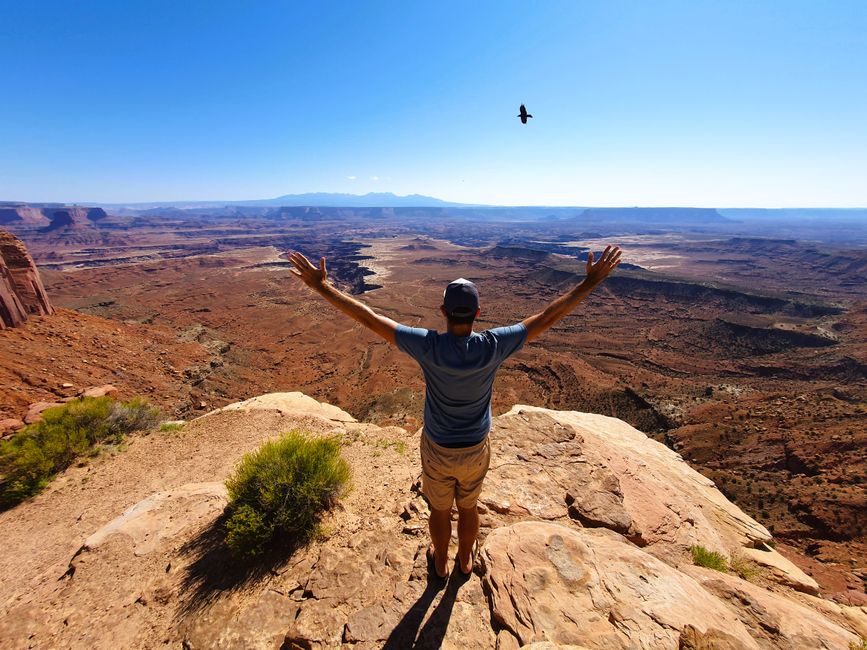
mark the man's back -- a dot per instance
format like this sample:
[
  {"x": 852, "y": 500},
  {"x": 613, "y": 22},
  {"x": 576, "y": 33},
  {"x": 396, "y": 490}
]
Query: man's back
[
  {"x": 459, "y": 369},
  {"x": 459, "y": 374}
]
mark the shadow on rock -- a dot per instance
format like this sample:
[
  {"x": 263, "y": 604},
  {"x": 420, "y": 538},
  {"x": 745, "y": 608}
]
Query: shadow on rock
[
  {"x": 214, "y": 570},
  {"x": 406, "y": 633}
]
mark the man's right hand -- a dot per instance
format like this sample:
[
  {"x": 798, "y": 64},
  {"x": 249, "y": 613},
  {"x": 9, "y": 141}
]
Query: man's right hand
[
  {"x": 608, "y": 261},
  {"x": 309, "y": 274}
]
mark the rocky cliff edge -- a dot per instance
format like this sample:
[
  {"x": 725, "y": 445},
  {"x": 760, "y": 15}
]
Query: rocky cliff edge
[
  {"x": 586, "y": 531},
  {"x": 21, "y": 291}
]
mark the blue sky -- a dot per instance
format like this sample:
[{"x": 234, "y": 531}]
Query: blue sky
[{"x": 727, "y": 103}]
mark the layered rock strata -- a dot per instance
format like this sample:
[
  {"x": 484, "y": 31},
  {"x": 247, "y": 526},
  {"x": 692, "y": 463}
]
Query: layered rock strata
[{"x": 21, "y": 291}]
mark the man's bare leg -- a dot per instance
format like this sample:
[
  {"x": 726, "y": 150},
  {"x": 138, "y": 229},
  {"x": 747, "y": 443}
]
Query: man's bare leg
[
  {"x": 468, "y": 532},
  {"x": 440, "y": 524}
]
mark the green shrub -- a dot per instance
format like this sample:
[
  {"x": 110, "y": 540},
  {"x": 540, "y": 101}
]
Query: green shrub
[
  {"x": 745, "y": 567},
  {"x": 710, "y": 559},
  {"x": 282, "y": 489},
  {"x": 35, "y": 454},
  {"x": 166, "y": 427},
  {"x": 134, "y": 415}
]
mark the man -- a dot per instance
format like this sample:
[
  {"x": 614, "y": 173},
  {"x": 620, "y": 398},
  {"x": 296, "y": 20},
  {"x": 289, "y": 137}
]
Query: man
[{"x": 459, "y": 368}]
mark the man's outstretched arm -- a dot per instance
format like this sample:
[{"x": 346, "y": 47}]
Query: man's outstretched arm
[
  {"x": 317, "y": 279},
  {"x": 596, "y": 273}
]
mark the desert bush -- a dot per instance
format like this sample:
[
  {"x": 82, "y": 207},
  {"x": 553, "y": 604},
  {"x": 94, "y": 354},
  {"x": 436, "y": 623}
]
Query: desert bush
[
  {"x": 35, "y": 454},
  {"x": 745, "y": 567},
  {"x": 710, "y": 559},
  {"x": 282, "y": 489},
  {"x": 134, "y": 415}
]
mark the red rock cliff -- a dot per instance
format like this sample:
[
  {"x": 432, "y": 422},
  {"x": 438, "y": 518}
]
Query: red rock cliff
[{"x": 21, "y": 290}]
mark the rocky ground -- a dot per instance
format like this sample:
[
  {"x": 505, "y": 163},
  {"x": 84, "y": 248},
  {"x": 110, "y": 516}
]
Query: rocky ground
[
  {"x": 586, "y": 526},
  {"x": 48, "y": 359}
]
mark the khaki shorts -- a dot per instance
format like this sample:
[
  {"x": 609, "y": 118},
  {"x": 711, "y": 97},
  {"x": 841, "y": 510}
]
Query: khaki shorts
[{"x": 450, "y": 475}]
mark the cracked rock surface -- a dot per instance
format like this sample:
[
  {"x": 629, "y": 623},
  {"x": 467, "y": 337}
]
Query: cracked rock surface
[{"x": 586, "y": 529}]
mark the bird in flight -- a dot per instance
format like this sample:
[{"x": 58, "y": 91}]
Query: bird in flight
[{"x": 524, "y": 114}]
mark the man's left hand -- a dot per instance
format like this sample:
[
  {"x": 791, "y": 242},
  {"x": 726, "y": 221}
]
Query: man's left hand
[{"x": 608, "y": 261}]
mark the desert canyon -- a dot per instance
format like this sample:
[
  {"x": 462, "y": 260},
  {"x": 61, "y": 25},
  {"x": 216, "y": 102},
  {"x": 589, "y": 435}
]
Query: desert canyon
[{"x": 713, "y": 393}]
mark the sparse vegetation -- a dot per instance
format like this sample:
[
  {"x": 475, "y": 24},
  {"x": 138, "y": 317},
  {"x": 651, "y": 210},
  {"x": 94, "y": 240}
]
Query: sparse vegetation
[
  {"x": 744, "y": 567},
  {"x": 283, "y": 488},
  {"x": 171, "y": 426},
  {"x": 398, "y": 445},
  {"x": 709, "y": 559},
  {"x": 859, "y": 646},
  {"x": 30, "y": 459}
]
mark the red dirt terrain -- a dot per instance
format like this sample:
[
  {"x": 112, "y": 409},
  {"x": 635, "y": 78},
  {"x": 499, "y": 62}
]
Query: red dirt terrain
[
  {"x": 58, "y": 356},
  {"x": 747, "y": 355}
]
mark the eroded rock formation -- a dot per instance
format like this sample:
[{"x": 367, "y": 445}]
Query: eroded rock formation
[
  {"x": 74, "y": 217},
  {"x": 586, "y": 530},
  {"x": 50, "y": 216},
  {"x": 21, "y": 290}
]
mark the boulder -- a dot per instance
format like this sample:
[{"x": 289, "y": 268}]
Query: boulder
[
  {"x": 9, "y": 426},
  {"x": 783, "y": 570},
  {"x": 853, "y": 617},
  {"x": 156, "y": 518},
  {"x": 773, "y": 619},
  {"x": 99, "y": 391},
  {"x": 288, "y": 403},
  {"x": 34, "y": 412},
  {"x": 601, "y": 472},
  {"x": 691, "y": 638},
  {"x": 548, "y": 582}
]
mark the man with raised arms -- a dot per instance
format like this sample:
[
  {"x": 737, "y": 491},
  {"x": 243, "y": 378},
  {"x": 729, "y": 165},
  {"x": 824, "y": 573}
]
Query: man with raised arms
[{"x": 459, "y": 367}]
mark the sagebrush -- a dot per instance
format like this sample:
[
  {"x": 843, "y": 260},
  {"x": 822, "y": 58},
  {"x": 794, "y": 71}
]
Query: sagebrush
[
  {"x": 710, "y": 559},
  {"x": 744, "y": 567},
  {"x": 281, "y": 491},
  {"x": 35, "y": 454}
]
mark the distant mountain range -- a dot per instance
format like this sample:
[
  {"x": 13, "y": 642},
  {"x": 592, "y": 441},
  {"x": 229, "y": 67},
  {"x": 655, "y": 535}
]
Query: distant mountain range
[
  {"x": 318, "y": 199},
  {"x": 391, "y": 200}
]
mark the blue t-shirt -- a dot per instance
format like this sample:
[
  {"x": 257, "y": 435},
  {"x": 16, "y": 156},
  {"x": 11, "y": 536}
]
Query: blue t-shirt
[{"x": 459, "y": 375}]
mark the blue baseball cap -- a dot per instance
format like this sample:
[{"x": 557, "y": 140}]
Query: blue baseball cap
[{"x": 461, "y": 298}]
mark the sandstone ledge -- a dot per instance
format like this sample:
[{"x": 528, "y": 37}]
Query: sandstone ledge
[
  {"x": 288, "y": 403},
  {"x": 586, "y": 529}
]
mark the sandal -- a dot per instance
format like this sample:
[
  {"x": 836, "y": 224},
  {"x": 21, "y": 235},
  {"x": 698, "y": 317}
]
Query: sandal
[
  {"x": 473, "y": 555},
  {"x": 432, "y": 563}
]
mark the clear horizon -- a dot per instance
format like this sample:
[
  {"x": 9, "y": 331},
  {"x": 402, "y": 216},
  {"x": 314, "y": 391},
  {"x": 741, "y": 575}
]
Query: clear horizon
[
  {"x": 481, "y": 205},
  {"x": 678, "y": 103}
]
